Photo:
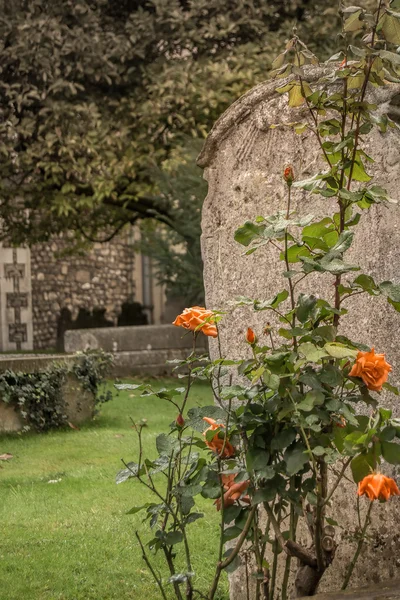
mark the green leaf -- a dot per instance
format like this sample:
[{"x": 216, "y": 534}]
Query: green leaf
[
  {"x": 390, "y": 26},
  {"x": 319, "y": 229},
  {"x": 125, "y": 474},
  {"x": 390, "y": 56},
  {"x": 295, "y": 252},
  {"x": 231, "y": 533},
  {"x": 331, "y": 375},
  {"x": 361, "y": 466},
  {"x": 137, "y": 509},
  {"x": 343, "y": 243},
  {"x": 311, "y": 399},
  {"x": 283, "y": 439},
  {"x": 338, "y": 350},
  {"x": 305, "y": 305},
  {"x": 311, "y": 352},
  {"x": 390, "y": 290},
  {"x": 128, "y": 386},
  {"x": 272, "y": 302},
  {"x": 319, "y": 451},
  {"x": 391, "y": 452},
  {"x": 295, "y": 459},
  {"x": 256, "y": 459},
  {"x": 264, "y": 495},
  {"x": 180, "y": 577},
  {"x": 165, "y": 444},
  {"x": 248, "y": 232},
  {"x": 366, "y": 282},
  {"x": 353, "y": 23},
  {"x": 358, "y": 173},
  {"x": 296, "y": 97},
  {"x": 173, "y": 537},
  {"x": 196, "y": 414},
  {"x": 391, "y": 388},
  {"x": 388, "y": 434}
]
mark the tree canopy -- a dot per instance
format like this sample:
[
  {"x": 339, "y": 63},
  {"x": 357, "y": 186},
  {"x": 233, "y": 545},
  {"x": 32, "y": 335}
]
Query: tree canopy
[{"x": 95, "y": 93}]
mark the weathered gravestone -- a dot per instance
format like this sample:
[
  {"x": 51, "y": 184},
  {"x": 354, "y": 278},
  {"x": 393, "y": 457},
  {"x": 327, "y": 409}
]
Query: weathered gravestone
[{"x": 244, "y": 159}]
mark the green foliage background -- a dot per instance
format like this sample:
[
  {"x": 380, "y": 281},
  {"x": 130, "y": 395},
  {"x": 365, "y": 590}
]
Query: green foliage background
[{"x": 101, "y": 102}]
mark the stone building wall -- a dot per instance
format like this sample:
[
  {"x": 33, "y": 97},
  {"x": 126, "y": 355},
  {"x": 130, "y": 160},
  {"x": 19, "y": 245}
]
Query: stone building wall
[{"x": 100, "y": 279}]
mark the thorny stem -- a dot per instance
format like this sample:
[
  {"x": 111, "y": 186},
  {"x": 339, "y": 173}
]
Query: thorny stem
[
  {"x": 359, "y": 548},
  {"x": 222, "y": 565},
  {"x": 275, "y": 527},
  {"x": 319, "y": 519},
  {"x": 189, "y": 379},
  {"x": 258, "y": 558},
  {"x": 338, "y": 480},
  {"x": 292, "y": 536},
  {"x": 291, "y": 288},
  {"x": 222, "y": 524},
  {"x": 354, "y": 153},
  {"x": 157, "y": 579},
  {"x": 274, "y": 569}
]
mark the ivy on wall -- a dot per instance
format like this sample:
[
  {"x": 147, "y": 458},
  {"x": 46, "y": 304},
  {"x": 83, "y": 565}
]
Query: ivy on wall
[{"x": 39, "y": 397}]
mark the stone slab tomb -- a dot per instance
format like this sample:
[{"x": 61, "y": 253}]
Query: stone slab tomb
[{"x": 244, "y": 159}]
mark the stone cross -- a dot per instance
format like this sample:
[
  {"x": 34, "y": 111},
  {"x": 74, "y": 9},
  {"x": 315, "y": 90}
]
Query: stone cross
[
  {"x": 15, "y": 299},
  {"x": 244, "y": 158}
]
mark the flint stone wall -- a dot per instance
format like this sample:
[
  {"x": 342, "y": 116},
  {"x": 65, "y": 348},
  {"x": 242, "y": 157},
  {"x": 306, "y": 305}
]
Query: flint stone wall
[
  {"x": 101, "y": 279},
  {"x": 244, "y": 160}
]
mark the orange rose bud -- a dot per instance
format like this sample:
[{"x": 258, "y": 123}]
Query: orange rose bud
[
  {"x": 378, "y": 487},
  {"x": 372, "y": 369},
  {"x": 250, "y": 336},
  {"x": 180, "y": 421},
  {"x": 288, "y": 175},
  {"x": 196, "y": 319},
  {"x": 217, "y": 443}
]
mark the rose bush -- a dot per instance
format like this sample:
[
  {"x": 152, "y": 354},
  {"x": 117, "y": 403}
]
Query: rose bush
[{"x": 291, "y": 420}]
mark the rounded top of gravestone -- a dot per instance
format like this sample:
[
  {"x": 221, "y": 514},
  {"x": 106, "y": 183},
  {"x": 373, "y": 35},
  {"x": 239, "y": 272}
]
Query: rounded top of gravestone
[{"x": 270, "y": 107}]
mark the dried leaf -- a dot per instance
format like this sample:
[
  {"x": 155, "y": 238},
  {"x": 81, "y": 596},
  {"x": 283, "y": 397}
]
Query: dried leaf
[
  {"x": 5, "y": 456},
  {"x": 73, "y": 426}
]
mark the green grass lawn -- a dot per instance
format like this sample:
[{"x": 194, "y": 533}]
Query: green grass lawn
[{"x": 72, "y": 539}]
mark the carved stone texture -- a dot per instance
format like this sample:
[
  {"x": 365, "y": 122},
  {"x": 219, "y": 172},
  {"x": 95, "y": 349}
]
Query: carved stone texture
[
  {"x": 12, "y": 270},
  {"x": 244, "y": 159},
  {"x": 18, "y": 332},
  {"x": 15, "y": 299}
]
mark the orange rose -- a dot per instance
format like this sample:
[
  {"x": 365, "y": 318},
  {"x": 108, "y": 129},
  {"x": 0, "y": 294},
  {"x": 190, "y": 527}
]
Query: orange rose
[
  {"x": 378, "y": 487},
  {"x": 233, "y": 491},
  {"x": 372, "y": 368},
  {"x": 250, "y": 336},
  {"x": 197, "y": 319},
  {"x": 216, "y": 444}
]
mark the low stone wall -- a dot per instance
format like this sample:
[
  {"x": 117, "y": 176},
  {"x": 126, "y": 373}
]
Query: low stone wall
[
  {"x": 141, "y": 350},
  {"x": 80, "y": 403}
]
